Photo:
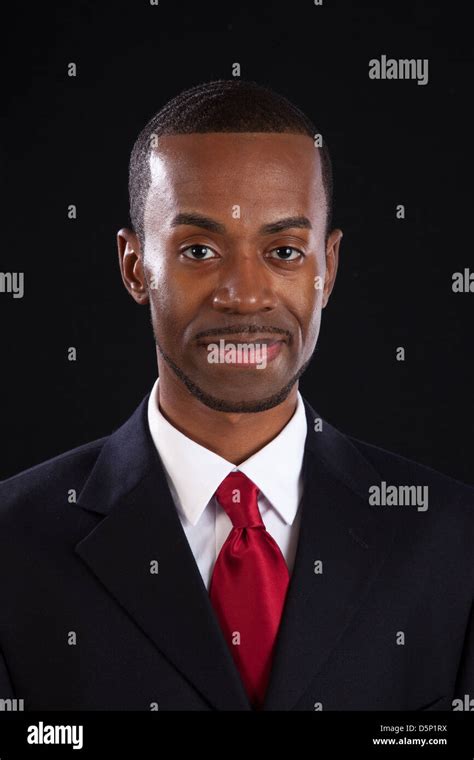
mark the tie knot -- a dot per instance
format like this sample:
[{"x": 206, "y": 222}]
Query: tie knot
[{"x": 238, "y": 496}]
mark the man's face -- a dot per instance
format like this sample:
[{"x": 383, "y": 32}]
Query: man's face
[{"x": 235, "y": 251}]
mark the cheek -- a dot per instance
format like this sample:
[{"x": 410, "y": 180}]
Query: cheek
[
  {"x": 309, "y": 300},
  {"x": 162, "y": 298},
  {"x": 161, "y": 285},
  {"x": 314, "y": 327},
  {"x": 310, "y": 310},
  {"x": 172, "y": 301},
  {"x": 318, "y": 279}
]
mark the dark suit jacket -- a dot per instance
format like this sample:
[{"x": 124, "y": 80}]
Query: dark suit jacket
[{"x": 145, "y": 640}]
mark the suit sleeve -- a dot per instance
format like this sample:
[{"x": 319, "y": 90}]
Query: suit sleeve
[
  {"x": 6, "y": 687},
  {"x": 465, "y": 676}
]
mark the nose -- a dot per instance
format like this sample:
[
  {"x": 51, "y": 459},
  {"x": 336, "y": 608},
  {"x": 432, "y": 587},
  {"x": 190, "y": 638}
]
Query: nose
[{"x": 244, "y": 287}]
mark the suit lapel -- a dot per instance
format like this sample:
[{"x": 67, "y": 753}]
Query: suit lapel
[
  {"x": 339, "y": 529},
  {"x": 141, "y": 526}
]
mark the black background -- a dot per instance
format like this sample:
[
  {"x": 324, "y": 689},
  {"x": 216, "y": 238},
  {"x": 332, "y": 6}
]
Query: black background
[{"x": 67, "y": 141}]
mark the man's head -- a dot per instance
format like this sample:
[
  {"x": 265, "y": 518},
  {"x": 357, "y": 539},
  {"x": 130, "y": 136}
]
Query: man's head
[{"x": 230, "y": 203}]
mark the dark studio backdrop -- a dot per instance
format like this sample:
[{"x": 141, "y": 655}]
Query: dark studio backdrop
[{"x": 67, "y": 141}]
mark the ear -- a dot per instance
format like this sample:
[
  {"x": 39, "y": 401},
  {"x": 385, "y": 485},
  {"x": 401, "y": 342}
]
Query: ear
[
  {"x": 332, "y": 262},
  {"x": 131, "y": 266}
]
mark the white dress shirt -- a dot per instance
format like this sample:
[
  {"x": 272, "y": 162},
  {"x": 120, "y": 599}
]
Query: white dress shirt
[{"x": 194, "y": 473}]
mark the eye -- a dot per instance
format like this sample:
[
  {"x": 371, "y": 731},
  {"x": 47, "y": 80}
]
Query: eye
[
  {"x": 286, "y": 252},
  {"x": 199, "y": 251}
]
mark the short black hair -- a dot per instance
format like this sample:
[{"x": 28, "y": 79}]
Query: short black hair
[{"x": 223, "y": 105}]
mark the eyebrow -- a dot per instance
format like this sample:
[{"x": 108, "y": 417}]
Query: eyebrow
[{"x": 197, "y": 220}]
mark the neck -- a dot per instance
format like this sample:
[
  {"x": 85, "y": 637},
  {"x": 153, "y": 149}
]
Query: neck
[{"x": 233, "y": 436}]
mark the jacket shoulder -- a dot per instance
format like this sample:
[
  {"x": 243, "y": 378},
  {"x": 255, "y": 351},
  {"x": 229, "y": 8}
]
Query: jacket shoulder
[
  {"x": 50, "y": 480},
  {"x": 398, "y": 470}
]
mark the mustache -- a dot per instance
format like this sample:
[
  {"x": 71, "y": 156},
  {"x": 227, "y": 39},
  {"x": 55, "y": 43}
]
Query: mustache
[{"x": 240, "y": 329}]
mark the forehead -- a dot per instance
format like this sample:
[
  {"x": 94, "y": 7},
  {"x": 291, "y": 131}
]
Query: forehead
[{"x": 250, "y": 168}]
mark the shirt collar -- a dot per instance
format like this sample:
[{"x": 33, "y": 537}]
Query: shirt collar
[{"x": 195, "y": 472}]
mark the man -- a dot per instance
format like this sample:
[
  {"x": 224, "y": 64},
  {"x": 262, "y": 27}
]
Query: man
[{"x": 226, "y": 548}]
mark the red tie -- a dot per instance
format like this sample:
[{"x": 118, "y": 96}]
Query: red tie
[{"x": 248, "y": 586}]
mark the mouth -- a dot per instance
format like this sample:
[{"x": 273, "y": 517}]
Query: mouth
[
  {"x": 242, "y": 338},
  {"x": 243, "y": 351}
]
